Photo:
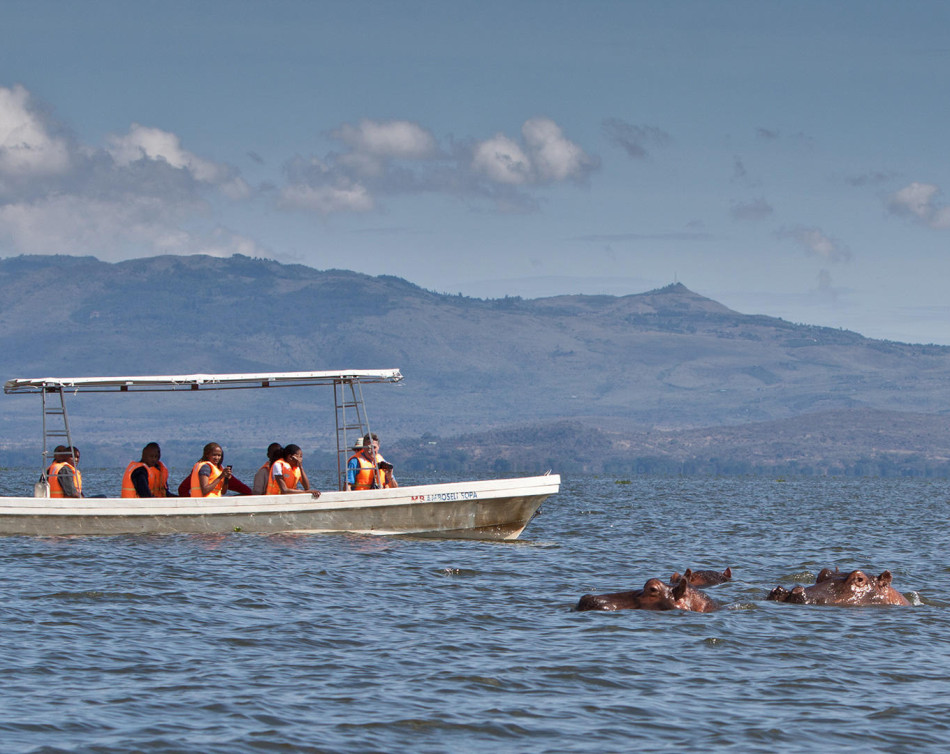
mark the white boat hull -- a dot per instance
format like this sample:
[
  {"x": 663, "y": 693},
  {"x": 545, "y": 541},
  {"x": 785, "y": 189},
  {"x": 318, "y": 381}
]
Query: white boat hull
[{"x": 490, "y": 509}]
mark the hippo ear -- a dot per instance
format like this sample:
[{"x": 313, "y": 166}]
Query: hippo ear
[
  {"x": 689, "y": 574},
  {"x": 727, "y": 573},
  {"x": 675, "y": 577},
  {"x": 779, "y": 594},
  {"x": 855, "y": 576},
  {"x": 680, "y": 589},
  {"x": 884, "y": 579}
]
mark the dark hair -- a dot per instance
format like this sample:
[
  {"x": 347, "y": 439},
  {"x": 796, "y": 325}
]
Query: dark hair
[
  {"x": 208, "y": 448},
  {"x": 274, "y": 451},
  {"x": 368, "y": 438},
  {"x": 290, "y": 450}
]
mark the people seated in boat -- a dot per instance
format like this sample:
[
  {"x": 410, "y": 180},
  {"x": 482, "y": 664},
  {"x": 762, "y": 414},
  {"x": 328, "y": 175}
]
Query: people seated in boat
[
  {"x": 235, "y": 485},
  {"x": 63, "y": 476},
  {"x": 367, "y": 469},
  {"x": 147, "y": 477},
  {"x": 208, "y": 477},
  {"x": 187, "y": 487},
  {"x": 385, "y": 467},
  {"x": 274, "y": 451},
  {"x": 287, "y": 474}
]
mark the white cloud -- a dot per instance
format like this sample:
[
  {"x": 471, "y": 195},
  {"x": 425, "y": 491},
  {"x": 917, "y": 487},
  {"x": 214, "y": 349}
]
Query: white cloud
[
  {"x": 547, "y": 156},
  {"x": 143, "y": 194},
  {"x": 27, "y": 148},
  {"x": 555, "y": 158},
  {"x": 398, "y": 139},
  {"x": 500, "y": 159},
  {"x": 144, "y": 143},
  {"x": 113, "y": 229},
  {"x": 815, "y": 241},
  {"x": 327, "y": 200},
  {"x": 919, "y": 201},
  {"x": 398, "y": 157}
]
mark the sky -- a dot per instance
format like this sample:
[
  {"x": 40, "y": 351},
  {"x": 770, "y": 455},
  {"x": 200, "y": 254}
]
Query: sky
[{"x": 782, "y": 158}]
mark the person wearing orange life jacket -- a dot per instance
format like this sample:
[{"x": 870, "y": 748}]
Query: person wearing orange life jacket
[
  {"x": 274, "y": 452},
  {"x": 361, "y": 466},
  {"x": 148, "y": 477},
  {"x": 208, "y": 478},
  {"x": 385, "y": 467},
  {"x": 367, "y": 469},
  {"x": 287, "y": 472},
  {"x": 63, "y": 476}
]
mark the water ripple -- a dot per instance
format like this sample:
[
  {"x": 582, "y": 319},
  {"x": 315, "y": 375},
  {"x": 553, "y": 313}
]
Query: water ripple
[{"x": 241, "y": 643}]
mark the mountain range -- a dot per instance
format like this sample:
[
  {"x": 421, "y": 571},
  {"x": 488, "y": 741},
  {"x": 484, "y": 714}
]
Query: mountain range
[{"x": 662, "y": 381}]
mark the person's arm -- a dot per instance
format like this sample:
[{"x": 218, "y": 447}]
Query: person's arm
[
  {"x": 140, "y": 482},
  {"x": 208, "y": 484},
  {"x": 68, "y": 482},
  {"x": 303, "y": 479},
  {"x": 351, "y": 468}
]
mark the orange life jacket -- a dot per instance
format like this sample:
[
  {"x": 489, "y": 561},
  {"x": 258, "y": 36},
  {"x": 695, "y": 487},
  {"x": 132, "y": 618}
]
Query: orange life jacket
[
  {"x": 52, "y": 476},
  {"x": 366, "y": 476},
  {"x": 157, "y": 479},
  {"x": 285, "y": 470},
  {"x": 217, "y": 490}
]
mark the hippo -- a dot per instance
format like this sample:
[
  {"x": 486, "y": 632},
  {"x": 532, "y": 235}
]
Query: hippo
[
  {"x": 836, "y": 588},
  {"x": 655, "y": 595},
  {"x": 702, "y": 578}
]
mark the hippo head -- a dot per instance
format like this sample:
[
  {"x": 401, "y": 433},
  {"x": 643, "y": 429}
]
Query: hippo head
[
  {"x": 702, "y": 578},
  {"x": 836, "y": 588},
  {"x": 657, "y": 595},
  {"x": 854, "y": 588}
]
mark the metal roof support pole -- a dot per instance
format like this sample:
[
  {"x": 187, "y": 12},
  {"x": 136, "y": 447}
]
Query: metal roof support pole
[
  {"x": 344, "y": 423},
  {"x": 49, "y": 432}
]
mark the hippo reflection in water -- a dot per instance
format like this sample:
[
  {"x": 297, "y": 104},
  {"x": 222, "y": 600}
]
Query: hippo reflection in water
[
  {"x": 703, "y": 578},
  {"x": 836, "y": 588},
  {"x": 655, "y": 595}
]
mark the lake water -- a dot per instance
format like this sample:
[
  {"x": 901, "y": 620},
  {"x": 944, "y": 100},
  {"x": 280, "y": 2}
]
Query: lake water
[{"x": 242, "y": 643}]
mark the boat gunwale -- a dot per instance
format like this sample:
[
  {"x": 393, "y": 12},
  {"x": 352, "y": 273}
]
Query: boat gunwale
[{"x": 546, "y": 485}]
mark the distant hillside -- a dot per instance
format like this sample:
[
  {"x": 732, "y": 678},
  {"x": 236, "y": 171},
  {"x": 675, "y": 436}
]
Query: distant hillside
[
  {"x": 859, "y": 442},
  {"x": 668, "y": 360}
]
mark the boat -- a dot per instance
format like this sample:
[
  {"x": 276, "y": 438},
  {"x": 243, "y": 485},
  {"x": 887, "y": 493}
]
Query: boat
[{"x": 485, "y": 509}]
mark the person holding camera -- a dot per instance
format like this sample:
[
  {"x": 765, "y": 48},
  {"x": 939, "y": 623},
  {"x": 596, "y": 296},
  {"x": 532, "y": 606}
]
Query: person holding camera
[
  {"x": 367, "y": 469},
  {"x": 208, "y": 477}
]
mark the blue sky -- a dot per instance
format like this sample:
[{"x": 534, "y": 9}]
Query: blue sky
[{"x": 783, "y": 158}]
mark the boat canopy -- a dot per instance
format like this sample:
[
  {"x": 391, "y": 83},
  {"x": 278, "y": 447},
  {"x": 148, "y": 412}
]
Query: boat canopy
[{"x": 199, "y": 381}]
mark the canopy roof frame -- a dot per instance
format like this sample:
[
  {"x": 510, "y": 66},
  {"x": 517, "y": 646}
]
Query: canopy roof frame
[
  {"x": 168, "y": 383},
  {"x": 193, "y": 382}
]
